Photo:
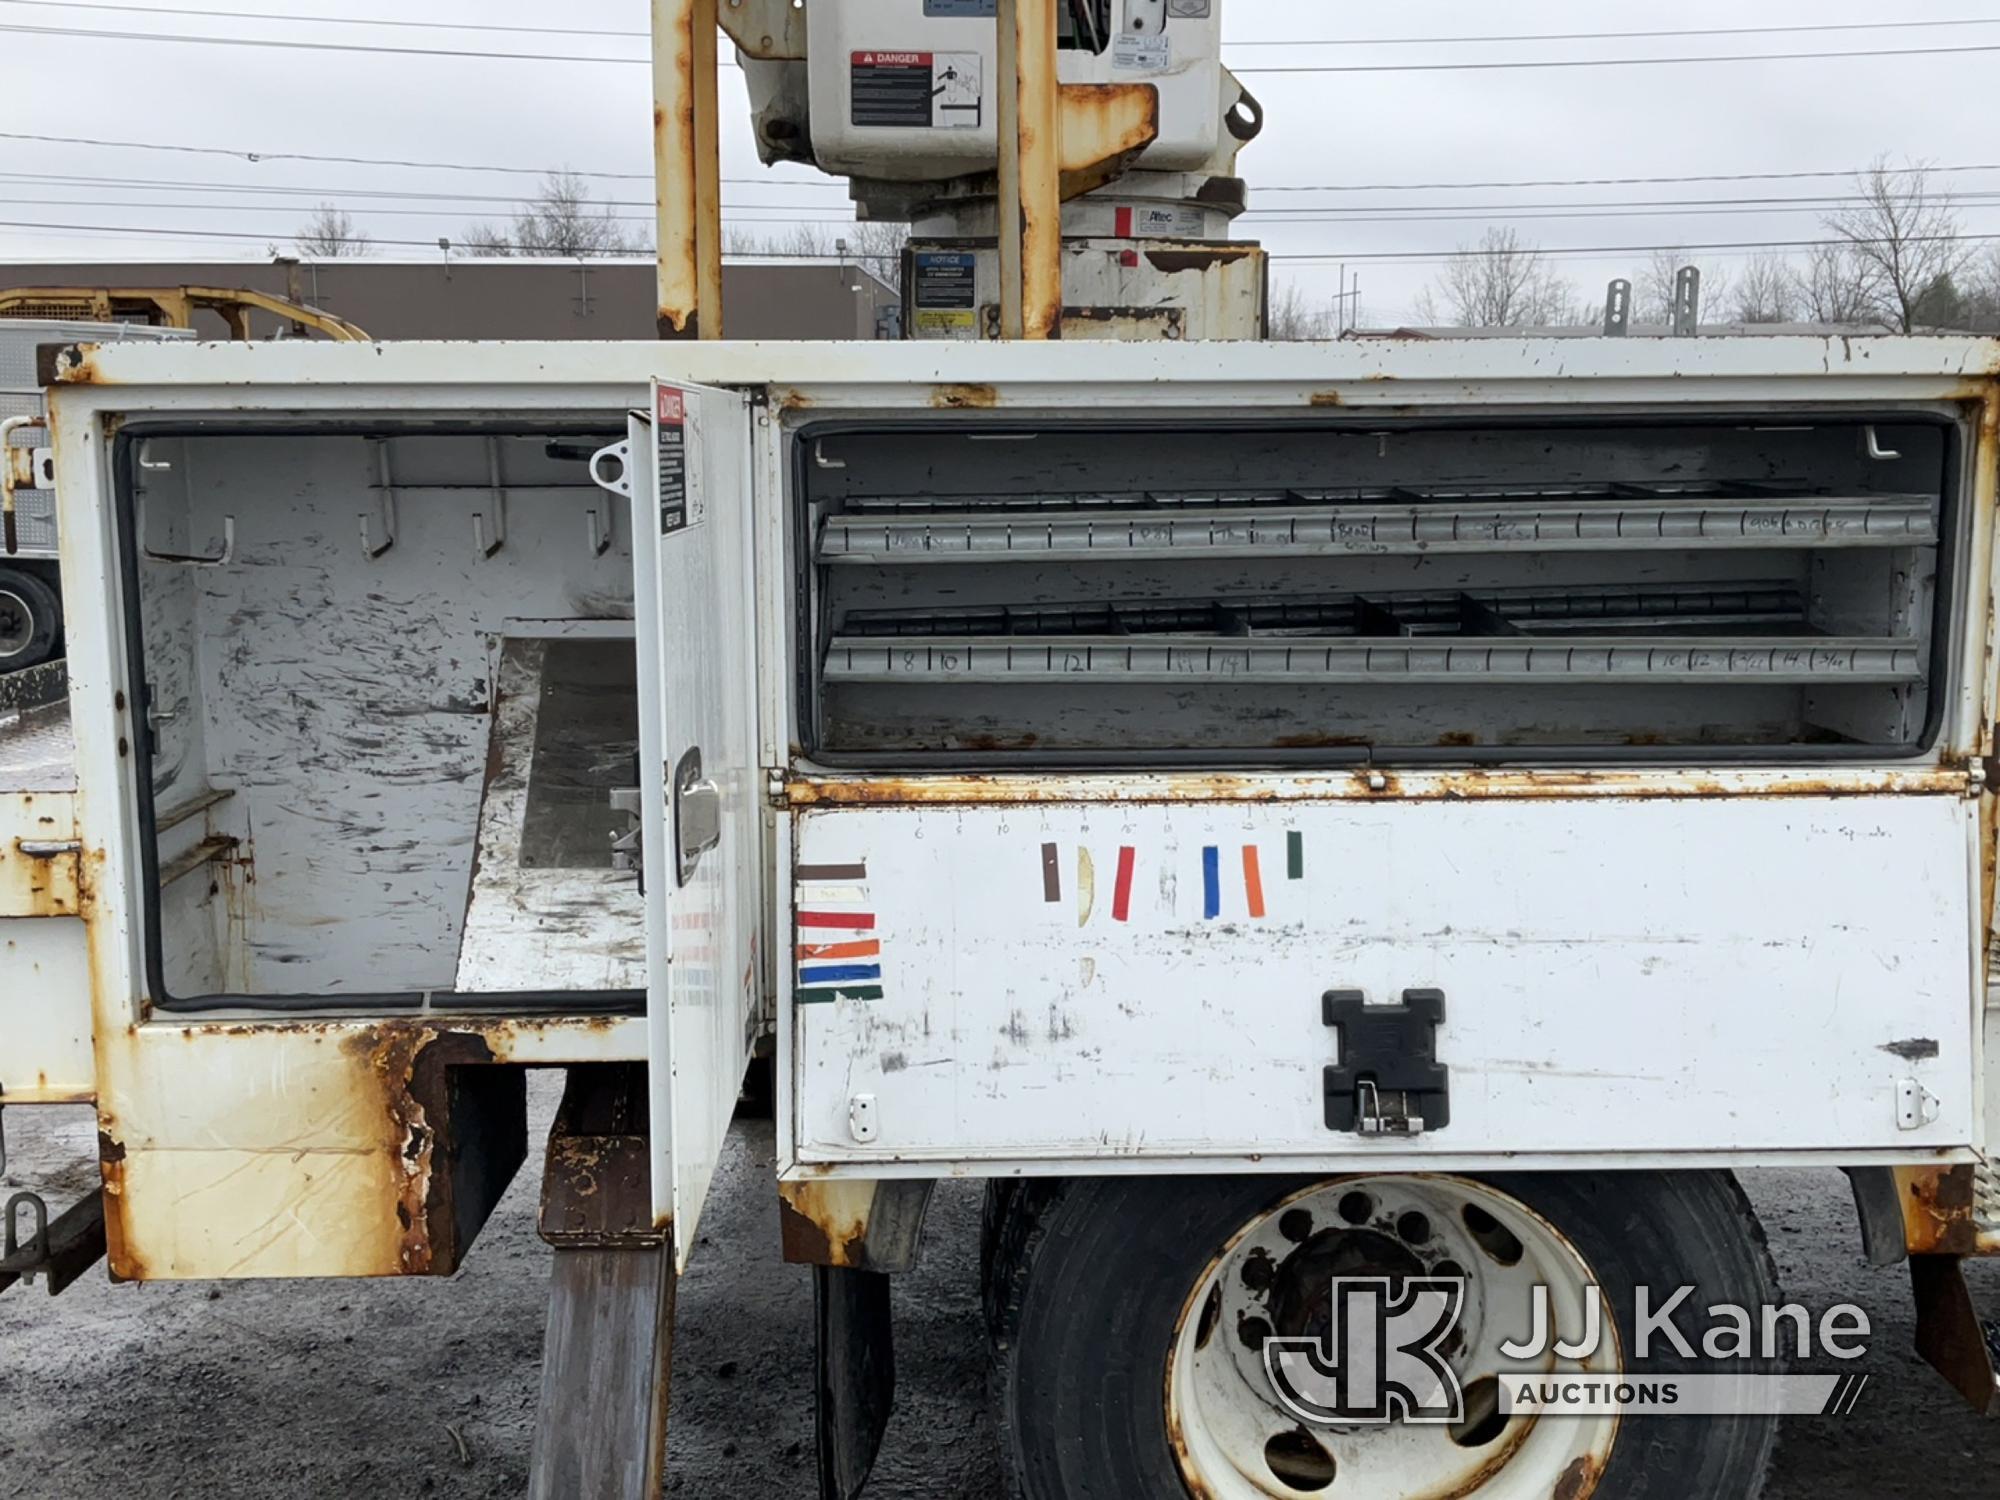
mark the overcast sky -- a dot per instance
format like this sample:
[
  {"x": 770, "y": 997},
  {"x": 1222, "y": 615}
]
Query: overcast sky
[{"x": 1325, "y": 130}]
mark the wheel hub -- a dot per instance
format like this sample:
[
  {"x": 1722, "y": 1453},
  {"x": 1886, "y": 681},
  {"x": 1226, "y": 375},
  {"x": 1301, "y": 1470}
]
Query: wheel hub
[
  {"x": 17, "y": 624},
  {"x": 1235, "y": 1440}
]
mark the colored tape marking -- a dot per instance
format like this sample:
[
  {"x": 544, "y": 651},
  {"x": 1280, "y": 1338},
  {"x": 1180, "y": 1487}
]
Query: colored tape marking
[
  {"x": 844, "y": 992},
  {"x": 1051, "y": 874},
  {"x": 1121, "y": 895},
  {"x": 1295, "y": 856},
  {"x": 869, "y": 949},
  {"x": 1253, "y": 881},
  {"x": 854, "y": 921},
  {"x": 831, "y": 895},
  {"x": 840, "y": 974},
  {"x": 830, "y": 872},
  {"x": 1211, "y": 882}
]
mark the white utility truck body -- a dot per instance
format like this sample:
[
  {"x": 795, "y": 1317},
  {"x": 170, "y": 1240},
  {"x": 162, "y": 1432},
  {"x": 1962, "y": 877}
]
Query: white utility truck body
[
  {"x": 1751, "y": 947},
  {"x": 1047, "y": 748}
]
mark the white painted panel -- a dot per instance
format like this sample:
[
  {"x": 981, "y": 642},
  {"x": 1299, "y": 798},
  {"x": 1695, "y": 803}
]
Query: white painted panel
[
  {"x": 1676, "y": 975},
  {"x": 45, "y": 1010},
  {"x": 690, "y": 489}
]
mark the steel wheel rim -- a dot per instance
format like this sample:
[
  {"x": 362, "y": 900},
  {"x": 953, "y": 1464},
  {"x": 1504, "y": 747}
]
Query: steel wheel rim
[
  {"x": 17, "y": 624},
  {"x": 1233, "y": 1440}
]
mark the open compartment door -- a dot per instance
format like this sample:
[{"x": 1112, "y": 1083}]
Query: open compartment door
[{"x": 687, "y": 470}]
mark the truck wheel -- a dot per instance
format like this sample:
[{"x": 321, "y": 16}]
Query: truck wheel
[
  {"x": 1131, "y": 1316},
  {"x": 30, "y": 621}
]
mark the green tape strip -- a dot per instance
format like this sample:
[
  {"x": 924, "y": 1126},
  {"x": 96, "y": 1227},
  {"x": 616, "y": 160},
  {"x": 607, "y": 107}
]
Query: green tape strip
[
  {"x": 1295, "y": 856},
  {"x": 829, "y": 996}
]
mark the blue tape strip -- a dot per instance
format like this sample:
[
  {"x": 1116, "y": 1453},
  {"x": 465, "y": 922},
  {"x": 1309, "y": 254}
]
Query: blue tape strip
[
  {"x": 840, "y": 974},
  {"x": 1211, "y": 882}
]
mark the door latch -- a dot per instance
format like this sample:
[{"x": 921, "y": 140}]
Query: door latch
[
  {"x": 697, "y": 814},
  {"x": 628, "y": 848},
  {"x": 1388, "y": 1081}
]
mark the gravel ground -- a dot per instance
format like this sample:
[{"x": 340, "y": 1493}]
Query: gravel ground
[{"x": 416, "y": 1388}]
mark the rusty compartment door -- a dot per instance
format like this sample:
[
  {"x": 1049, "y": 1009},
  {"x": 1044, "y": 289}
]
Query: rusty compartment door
[{"x": 686, "y": 467}]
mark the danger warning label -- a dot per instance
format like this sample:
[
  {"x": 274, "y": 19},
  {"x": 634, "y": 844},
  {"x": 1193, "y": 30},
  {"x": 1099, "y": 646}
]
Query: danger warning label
[
  {"x": 670, "y": 439},
  {"x": 916, "y": 90}
]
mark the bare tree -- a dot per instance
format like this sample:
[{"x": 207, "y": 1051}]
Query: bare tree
[
  {"x": 1834, "y": 285},
  {"x": 1766, "y": 292},
  {"x": 803, "y": 241},
  {"x": 1296, "y": 317},
  {"x": 877, "y": 246},
  {"x": 1498, "y": 283},
  {"x": 1659, "y": 283},
  {"x": 330, "y": 232},
  {"x": 1906, "y": 242},
  {"x": 560, "y": 219},
  {"x": 1982, "y": 292}
]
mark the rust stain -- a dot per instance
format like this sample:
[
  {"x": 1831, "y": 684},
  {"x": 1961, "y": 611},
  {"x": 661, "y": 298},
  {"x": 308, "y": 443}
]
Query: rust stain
[
  {"x": 1326, "y": 398},
  {"x": 1103, "y": 129},
  {"x": 825, "y": 1223},
  {"x": 964, "y": 397},
  {"x": 1206, "y": 259},
  {"x": 68, "y": 364},
  {"x": 1579, "y": 1480},
  {"x": 1938, "y": 1210},
  {"x": 1371, "y": 785},
  {"x": 40, "y": 884}
]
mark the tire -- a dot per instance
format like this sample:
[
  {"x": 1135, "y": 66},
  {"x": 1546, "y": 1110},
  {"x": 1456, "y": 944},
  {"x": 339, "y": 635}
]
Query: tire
[
  {"x": 1088, "y": 1282},
  {"x": 30, "y": 621}
]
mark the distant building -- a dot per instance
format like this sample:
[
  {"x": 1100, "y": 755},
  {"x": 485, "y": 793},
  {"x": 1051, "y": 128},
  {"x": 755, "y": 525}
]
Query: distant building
[{"x": 510, "y": 298}]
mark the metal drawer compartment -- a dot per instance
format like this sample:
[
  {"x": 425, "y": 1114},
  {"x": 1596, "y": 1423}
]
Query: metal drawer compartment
[{"x": 1683, "y": 590}]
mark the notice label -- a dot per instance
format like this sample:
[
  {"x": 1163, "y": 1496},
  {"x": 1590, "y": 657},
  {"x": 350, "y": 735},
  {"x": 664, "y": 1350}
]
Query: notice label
[
  {"x": 916, "y": 90},
  {"x": 1134, "y": 53},
  {"x": 670, "y": 441},
  {"x": 945, "y": 294}
]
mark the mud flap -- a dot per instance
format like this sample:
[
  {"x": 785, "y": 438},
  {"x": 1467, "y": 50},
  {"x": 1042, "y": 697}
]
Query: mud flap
[{"x": 855, "y": 1378}]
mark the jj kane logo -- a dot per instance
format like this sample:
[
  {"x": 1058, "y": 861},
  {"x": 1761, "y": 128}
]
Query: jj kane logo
[
  {"x": 1383, "y": 1360},
  {"x": 1387, "y": 1351}
]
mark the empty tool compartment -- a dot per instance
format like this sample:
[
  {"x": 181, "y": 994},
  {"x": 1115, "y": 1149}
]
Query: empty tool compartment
[
  {"x": 387, "y": 686},
  {"x": 1742, "y": 584}
]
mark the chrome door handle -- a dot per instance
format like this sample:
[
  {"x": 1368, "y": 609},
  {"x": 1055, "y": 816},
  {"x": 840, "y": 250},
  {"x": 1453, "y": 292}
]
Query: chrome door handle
[{"x": 697, "y": 814}]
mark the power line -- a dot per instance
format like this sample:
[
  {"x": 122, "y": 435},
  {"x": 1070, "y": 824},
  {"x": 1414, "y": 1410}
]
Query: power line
[
  {"x": 1318, "y": 256},
  {"x": 1611, "y": 62},
  {"x": 1274, "y": 68},
  {"x": 805, "y": 213},
  {"x": 283, "y": 45},
  {"x": 361, "y": 161},
  {"x": 239, "y": 153},
  {"x": 369, "y": 21},
  {"x": 1302, "y": 213},
  {"x": 1564, "y": 182},
  {"x": 1604, "y": 250},
  {"x": 1349, "y": 41},
  {"x": 1554, "y": 36}
]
